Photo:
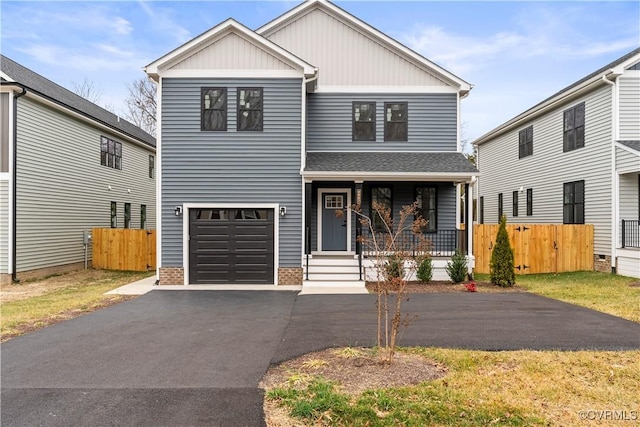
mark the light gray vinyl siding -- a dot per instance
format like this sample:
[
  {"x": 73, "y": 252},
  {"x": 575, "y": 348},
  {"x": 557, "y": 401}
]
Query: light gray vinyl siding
[
  {"x": 549, "y": 167},
  {"x": 231, "y": 167},
  {"x": 432, "y": 122},
  {"x": 627, "y": 161},
  {"x": 629, "y": 99},
  {"x": 62, "y": 189},
  {"x": 629, "y": 196},
  {"x": 4, "y": 132},
  {"x": 4, "y": 226}
]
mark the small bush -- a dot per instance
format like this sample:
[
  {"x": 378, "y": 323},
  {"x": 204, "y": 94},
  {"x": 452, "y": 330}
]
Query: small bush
[
  {"x": 425, "y": 270},
  {"x": 502, "y": 270},
  {"x": 394, "y": 268},
  {"x": 457, "y": 267}
]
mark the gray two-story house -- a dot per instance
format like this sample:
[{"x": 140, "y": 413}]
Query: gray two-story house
[
  {"x": 265, "y": 134},
  {"x": 66, "y": 166}
]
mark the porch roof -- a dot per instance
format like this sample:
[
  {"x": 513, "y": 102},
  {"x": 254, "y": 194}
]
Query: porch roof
[
  {"x": 634, "y": 145},
  {"x": 437, "y": 166}
]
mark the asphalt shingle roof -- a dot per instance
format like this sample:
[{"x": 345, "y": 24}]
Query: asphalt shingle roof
[
  {"x": 635, "y": 145},
  {"x": 389, "y": 162},
  {"x": 36, "y": 83}
]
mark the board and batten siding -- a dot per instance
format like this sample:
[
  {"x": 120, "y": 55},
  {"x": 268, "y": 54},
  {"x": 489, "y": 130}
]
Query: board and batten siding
[
  {"x": 230, "y": 167},
  {"x": 549, "y": 168},
  {"x": 432, "y": 122},
  {"x": 62, "y": 189},
  {"x": 4, "y": 226},
  {"x": 345, "y": 55},
  {"x": 629, "y": 101}
]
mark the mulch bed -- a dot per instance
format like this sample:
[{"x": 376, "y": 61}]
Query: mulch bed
[{"x": 449, "y": 287}]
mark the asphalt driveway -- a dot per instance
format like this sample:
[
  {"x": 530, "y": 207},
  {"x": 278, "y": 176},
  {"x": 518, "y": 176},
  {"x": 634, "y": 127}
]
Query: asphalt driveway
[{"x": 194, "y": 358}]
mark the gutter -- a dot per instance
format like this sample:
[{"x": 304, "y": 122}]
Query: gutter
[{"x": 14, "y": 197}]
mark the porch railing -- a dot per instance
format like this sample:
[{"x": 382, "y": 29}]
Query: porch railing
[
  {"x": 630, "y": 233},
  {"x": 442, "y": 242}
]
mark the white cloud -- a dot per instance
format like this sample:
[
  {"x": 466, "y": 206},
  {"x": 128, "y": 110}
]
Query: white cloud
[
  {"x": 161, "y": 21},
  {"x": 84, "y": 60}
]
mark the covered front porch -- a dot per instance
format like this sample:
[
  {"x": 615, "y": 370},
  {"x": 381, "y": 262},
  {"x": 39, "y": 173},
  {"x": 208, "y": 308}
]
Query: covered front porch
[
  {"x": 627, "y": 247},
  {"x": 341, "y": 188}
]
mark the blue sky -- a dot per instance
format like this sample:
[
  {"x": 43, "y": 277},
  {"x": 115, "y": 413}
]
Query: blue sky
[{"x": 514, "y": 53}]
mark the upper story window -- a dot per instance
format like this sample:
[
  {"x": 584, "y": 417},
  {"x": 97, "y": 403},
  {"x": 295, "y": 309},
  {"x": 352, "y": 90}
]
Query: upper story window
[
  {"x": 525, "y": 142},
  {"x": 250, "y": 117},
  {"x": 573, "y": 128},
  {"x": 395, "y": 121},
  {"x": 427, "y": 198},
  {"x": 380, "y": 197},
  {"x": 110, "y": 153},
  {"x": 573, "y": 204},
  {"x": 364, "y": 121},
  {"x": 214, "y": 109},
  {"x": 152, "y": 165}
]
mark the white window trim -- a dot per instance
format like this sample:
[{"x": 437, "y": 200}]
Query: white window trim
[
  {"x": 321, "y": 192},
  {"x": 186, "y": 207}
]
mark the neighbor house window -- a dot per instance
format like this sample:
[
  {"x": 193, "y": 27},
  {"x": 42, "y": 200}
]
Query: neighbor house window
[
  {"x": 143, "y": 216},
  {"x": 515, "y": 203},
  {"x": 250, "y": 116},
  {"x": 152, "y": 166},
  {"x": 427, "y": 198},
  {"x": 525, "y": 142},
  {"x": 395, "y": 121},
  {"x": 573, "y": 205},
  {"x": 110, "y": 153},
  {"x": 364, "y": 121},
  {"x": 574, "y": 128},
  {"x": 127, "y": 215},
  {"x": 481, "y": 219},
  {"x": 529, "y": 201},
  {"x": 499, "y": 207},
  {"x": 380, "y": 197},
  {"x": 114, "y": 214},
  {"x": 214, "y": 109}
]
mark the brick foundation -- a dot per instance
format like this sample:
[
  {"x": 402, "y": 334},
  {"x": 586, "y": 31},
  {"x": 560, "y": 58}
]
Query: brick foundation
[
  {"x": 290, "y": 276},
  {"x": 602, "y": 264},
  {"x": 171, "y": 276}
]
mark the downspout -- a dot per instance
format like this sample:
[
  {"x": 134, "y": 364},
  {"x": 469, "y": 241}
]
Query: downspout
[
  {"x": 614, "y": 173},
  {"x": 14, "y": 197}
]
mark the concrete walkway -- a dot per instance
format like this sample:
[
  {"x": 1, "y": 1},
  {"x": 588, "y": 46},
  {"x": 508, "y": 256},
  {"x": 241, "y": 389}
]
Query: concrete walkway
[{"x": 188, "y": 358}]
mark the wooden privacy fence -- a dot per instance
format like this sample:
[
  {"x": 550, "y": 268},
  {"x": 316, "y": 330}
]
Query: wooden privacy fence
[
  {"x": 124, "y": 249},
  {"x": 538, "y": 248}
]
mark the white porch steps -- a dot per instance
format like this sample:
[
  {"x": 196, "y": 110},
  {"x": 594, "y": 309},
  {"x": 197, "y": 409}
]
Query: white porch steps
[{"x": 332, "y": 274}]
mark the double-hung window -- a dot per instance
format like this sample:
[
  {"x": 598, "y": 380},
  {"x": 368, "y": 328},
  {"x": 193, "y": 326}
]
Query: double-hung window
[
  {"x": 110, "y": 153},
  {"x": 573, "y": 135},
  {"x": 573, "y": 204},
  {"x": 250, "y": 114},
  {"x": 380, "y": 202},
  {"x": 427, "y": 199},
  {"x": 525, "y": 142},
  {"x": 364, "y": 121},
  {"x": 395, "y": 121},
  {"x": 214, "y": 109}
]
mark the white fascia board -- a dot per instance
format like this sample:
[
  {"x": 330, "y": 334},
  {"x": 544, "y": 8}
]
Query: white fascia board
[
  {"x": 88, "y": 120},
  {"x": 230, "y": 25},
  {"x": 385, "y": 89},
  {"x": 628, "y": 149},
  {"x": 463, "y": 86},
  {"x": 232, "y": 73},
  {"x": 390, "y": 176},
  {"x": 6, "y": 77}
]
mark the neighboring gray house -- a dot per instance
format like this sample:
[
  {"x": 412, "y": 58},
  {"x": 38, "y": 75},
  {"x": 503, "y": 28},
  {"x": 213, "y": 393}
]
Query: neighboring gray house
[
  {"x": 264, "y": 134},
  {"x": 574, "y": 158},
  {"x": 65, "y": 165}
]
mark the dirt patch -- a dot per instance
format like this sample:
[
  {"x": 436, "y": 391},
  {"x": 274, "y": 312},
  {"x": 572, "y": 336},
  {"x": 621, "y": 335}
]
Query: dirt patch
[
  {"x": 449, "y": 287},
  {"x": 635, "y": 284}
]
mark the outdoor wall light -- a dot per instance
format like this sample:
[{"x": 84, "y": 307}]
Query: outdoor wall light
[
  {"x": 178, "y": 210},
  {"x": 283, "y": 210}
]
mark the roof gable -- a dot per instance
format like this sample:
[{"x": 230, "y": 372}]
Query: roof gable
[
  {"x": 218, "y": 48},
  {"x": 350, "y": 52}
]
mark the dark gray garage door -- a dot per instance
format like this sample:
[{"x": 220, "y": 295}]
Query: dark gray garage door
[{"x": 231, "y": 246}]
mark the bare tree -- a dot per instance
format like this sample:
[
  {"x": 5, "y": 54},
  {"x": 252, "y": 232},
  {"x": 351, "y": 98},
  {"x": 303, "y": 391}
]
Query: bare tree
[
  {"x": 88, "y": 90},
  {"x": 142, "y": 105}
]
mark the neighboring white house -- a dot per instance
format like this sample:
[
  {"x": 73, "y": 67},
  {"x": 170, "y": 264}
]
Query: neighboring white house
[
  {"x": 574, "y": 158},
  {"x": 66, "y": 166}
]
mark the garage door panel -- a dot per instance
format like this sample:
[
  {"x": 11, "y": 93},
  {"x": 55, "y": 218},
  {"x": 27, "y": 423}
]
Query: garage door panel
[{"x": 233, "y": 247}]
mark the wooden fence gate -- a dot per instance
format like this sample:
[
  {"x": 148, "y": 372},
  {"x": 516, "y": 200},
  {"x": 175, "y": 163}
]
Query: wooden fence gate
[
  {"x": 124, "y": 249},
  {"x": 538, "y": 248}
]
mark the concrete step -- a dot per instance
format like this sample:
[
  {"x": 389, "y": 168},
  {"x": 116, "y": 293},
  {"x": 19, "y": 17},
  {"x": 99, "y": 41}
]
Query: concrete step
[
  {"x": 334, "y": 276},
  {"x": 328, "y": 260},
  {"x": 314, "y": 287},
  {"x": 329, "y": 269}
]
